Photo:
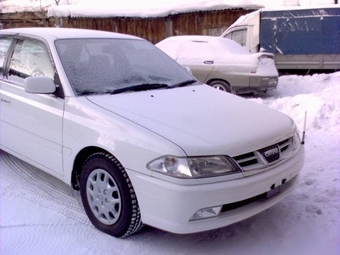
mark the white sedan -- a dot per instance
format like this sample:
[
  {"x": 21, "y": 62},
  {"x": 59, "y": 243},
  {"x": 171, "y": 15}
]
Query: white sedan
[
  {"x": 223, "y": 63},
  {"x": 116, "y": 118}
]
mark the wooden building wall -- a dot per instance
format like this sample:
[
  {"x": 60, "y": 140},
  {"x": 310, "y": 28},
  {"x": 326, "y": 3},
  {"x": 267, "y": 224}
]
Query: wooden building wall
[
  {"x": 152, "y": 29},
  {"x": 25, "y": 19}
]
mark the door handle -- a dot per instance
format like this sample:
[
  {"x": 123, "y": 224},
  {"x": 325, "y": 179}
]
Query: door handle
[
  {"x": 5, "y": 100},
  {"x": 208, "y": 62}
]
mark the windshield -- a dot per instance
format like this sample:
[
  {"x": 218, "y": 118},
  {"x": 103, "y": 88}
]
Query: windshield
[{"x": 99, "y": 66}]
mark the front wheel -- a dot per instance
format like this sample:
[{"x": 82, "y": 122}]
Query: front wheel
[
  {"x": 221, "y": 85},
  {"x": 108, "y": 197}
]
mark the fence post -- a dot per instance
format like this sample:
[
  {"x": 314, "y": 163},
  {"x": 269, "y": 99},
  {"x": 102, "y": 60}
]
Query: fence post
[
  {"x": 169, "y": 27},
  {"x": 59, "y": 22}
]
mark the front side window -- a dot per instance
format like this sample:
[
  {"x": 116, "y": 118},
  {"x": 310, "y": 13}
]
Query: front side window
[
  {"x": 240, "y": 36},
  {"x": 30, "y": 58},
  {"x": 4, "y": 46},
  {"x": 104, "y": 65}
]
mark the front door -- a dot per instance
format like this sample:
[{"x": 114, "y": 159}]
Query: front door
[{"x": 31, "y": 124}]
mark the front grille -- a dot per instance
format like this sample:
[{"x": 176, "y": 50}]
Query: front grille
[
  {"x": 262, "y": 157},
  {"x": 246, "y": 159},
  {"x": 284, "y": 145},
  {"x": 271, "y": 153}
]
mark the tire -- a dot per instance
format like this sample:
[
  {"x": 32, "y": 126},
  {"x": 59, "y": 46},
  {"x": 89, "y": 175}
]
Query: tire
[
  {"x": 108, "y": 197},
  {"x": 221, "y": 85}
]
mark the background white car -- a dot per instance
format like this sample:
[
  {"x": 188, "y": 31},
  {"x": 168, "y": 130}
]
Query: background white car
[
  {"x": 223, "y": 63},
  {"x": 116, "y": 118}
]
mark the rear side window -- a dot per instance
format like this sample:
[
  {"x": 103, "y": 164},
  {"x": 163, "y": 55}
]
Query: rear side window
[
  {"x": 4, "y": 46},
  {"x": 30, "y": 58}
]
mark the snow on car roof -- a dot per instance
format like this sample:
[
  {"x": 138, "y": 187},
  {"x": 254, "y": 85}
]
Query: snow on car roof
[
  {"x": 218, "y": 42},
  {"x": 62, "y": 33},
  {"x": 195, "y": 49}
]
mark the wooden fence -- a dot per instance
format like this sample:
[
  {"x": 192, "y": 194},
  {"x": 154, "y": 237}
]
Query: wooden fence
[{"x": 152, "y": 29}]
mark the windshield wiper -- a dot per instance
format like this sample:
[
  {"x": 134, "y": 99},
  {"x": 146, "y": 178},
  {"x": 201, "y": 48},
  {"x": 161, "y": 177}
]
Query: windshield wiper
[
  {"x": 184, "y": 83},
  {"x": 86, "y": 92},
  {"x": 140, "y": 87}
]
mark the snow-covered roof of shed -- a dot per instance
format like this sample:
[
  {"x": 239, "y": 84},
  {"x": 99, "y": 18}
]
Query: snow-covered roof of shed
[{"x": 146, "y": 8}]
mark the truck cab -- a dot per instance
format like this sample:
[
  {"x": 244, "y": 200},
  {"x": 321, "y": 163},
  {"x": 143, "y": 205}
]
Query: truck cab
[
  {"x": 303, "y": 40},
  {"x": 246, "y": 31}
]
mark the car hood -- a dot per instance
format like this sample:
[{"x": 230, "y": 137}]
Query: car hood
[{"x": 201, "y": 120}]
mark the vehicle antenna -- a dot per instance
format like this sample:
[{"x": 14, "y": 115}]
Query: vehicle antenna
[{"x": 304, "y": 129}]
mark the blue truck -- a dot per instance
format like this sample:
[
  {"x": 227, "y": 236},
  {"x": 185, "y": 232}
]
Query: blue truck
[{"x": 303, "y": 40}]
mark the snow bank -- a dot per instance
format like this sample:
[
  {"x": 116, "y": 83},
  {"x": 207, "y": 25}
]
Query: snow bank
[{"x": 319, "y": 95}]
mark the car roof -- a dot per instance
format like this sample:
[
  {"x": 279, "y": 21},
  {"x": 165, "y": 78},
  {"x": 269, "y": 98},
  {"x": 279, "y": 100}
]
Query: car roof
[
  {"x": 218, "y": 43},
  {"x": 214, "y": 40},
  {"x": 198, "y": 38},
  {"x": 53, "y": 33}
]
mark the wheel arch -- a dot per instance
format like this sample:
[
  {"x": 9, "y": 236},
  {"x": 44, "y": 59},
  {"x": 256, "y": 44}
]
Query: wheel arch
[
  {"x": 79, "y": 161},
  {"x": 217, "y": 79},
  {"x": 224, "y": 83}
]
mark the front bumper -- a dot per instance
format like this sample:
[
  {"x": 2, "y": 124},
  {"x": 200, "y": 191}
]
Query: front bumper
[{"x": 169, "y": 206}]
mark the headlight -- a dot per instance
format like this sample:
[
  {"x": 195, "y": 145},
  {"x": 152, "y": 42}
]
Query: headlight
[
  {"x": 296, "y": 140},
  {"x": 194, "y": 167}
]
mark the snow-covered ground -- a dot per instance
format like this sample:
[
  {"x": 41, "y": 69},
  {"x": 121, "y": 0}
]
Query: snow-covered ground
[{"x": 40, "y": 215}]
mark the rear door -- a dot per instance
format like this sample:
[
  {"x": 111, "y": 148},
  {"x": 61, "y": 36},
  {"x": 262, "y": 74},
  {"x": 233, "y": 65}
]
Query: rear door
[
  {"x": 31, "y": 124},
  {"x": 198, "y": 56}
]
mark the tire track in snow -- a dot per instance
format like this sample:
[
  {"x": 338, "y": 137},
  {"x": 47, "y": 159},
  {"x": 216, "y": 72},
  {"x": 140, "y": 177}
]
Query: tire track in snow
[
  {"x": 20, "y": 179},
  {"x": 46, "y": 238}
]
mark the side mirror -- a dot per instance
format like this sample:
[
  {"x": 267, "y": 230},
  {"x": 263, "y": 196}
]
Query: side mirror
[{"x": 39, "y": 85}]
